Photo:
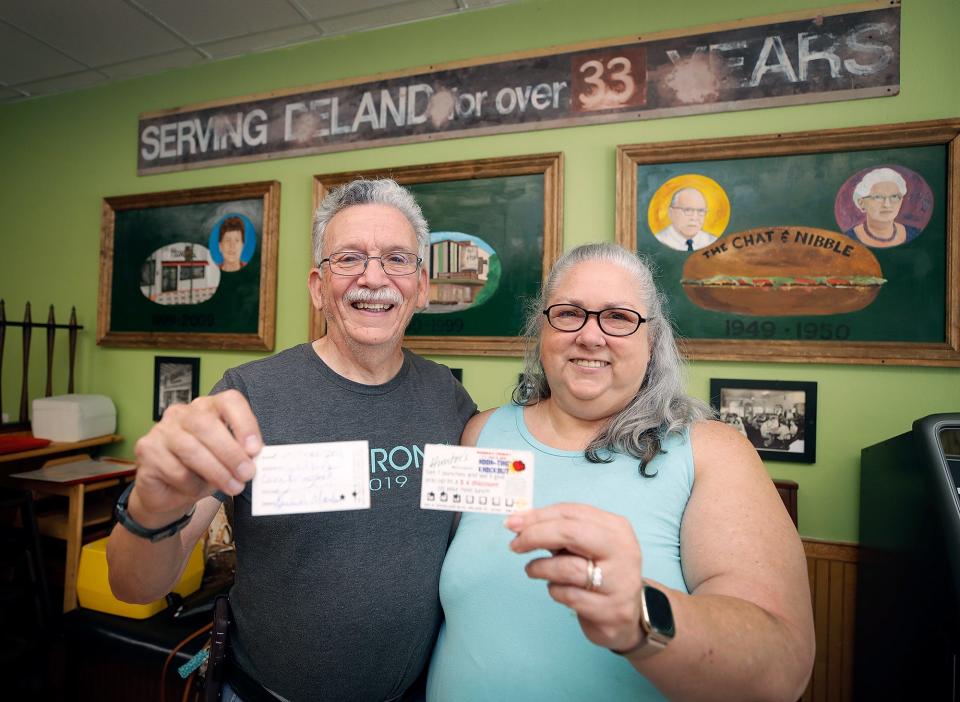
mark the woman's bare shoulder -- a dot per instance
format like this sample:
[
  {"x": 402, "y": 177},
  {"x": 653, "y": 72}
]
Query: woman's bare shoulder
[{"x": 471, "y": 432}]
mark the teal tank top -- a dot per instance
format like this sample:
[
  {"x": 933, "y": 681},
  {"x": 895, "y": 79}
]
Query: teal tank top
[{"x": 503, "y": 637}]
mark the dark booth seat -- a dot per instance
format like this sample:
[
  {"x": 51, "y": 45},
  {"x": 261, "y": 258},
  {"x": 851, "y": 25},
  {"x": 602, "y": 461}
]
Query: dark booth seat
[{"x": 115, "y": 658}]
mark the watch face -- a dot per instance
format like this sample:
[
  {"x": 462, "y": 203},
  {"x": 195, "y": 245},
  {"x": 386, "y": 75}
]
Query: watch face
[{"x": 658, "y": 611}]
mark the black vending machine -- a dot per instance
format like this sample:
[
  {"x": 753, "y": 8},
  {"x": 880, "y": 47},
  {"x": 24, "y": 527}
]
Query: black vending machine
[{"x": 908, "y": 587}]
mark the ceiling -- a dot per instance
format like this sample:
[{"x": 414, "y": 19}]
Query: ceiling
[{"x": 55, "y": 46}]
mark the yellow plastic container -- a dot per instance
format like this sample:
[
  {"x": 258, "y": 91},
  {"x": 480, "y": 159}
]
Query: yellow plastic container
[{"x": 93, "y": 588}]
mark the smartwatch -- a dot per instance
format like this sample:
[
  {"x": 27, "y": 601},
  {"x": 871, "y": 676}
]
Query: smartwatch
[
  {"x": 137, "y": 529},
  {"x": 656, "y": 621}
]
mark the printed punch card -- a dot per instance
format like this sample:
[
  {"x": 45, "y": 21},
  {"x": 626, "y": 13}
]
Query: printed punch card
[
  {"x": 326, "y": 477},
  {"x": 471, "y": 479}
]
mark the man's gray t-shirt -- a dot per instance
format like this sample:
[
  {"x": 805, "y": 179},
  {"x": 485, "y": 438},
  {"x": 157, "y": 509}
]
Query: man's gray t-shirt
[{"x": 344, "y": 605}]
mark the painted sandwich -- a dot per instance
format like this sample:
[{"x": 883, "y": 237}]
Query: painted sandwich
[{"x": 780, "y": 271}]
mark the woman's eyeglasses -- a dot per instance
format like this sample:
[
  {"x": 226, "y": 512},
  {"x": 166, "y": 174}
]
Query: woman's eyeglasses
[{"x": 615, "y": 321}]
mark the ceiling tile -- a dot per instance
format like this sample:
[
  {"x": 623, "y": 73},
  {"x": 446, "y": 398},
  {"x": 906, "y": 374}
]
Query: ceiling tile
[
  {"x": 153, "y": 64},
  {"x": 386, "y": 16},
  {"x": 49, "y": 45},
  {"x": 62, "y": 84},
  {"x": 211, "y": 20},
  {"x": 261, "y": 41},
  {"x": 96, "y": 32},
  {"x": 322, "y": 9},
  {"x": 23, "y": 58}
]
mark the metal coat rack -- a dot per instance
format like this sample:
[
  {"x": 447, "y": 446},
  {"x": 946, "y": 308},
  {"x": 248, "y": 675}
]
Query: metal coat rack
[{"x": 28, "y": 325}]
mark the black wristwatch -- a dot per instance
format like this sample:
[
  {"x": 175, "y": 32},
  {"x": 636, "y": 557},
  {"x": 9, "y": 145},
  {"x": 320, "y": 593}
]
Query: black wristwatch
[
  {"x": 137, "y": 529},
  {"x": 656, "y": 621}
]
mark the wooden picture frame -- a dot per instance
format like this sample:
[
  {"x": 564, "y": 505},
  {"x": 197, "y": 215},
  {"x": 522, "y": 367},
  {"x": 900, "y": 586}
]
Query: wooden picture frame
[
  {"x": 176, "y": 380},
  {"x": 483, "y": 208},
  {"x": 786, "y": 192},
  {"x": 779, "y": 417},
  {"x": 190, "y": 269}
]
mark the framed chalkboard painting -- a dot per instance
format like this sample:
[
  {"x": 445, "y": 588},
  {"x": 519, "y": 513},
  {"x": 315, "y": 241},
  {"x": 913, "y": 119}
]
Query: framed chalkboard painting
[
  {"x": 494, "y": 233},
  {"x": 839, "y": 246},
  {"x": 190, "y": 269}
]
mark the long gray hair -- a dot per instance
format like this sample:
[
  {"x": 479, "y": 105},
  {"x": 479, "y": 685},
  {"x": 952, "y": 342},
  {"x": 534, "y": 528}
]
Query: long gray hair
[
  {"x": 382, "y": 191},
  {"x": 661, "y": 406}
]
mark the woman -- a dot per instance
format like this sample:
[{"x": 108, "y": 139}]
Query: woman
[
  {"x": 879, "y": 195},
  {"x": 640, "y": 501}
]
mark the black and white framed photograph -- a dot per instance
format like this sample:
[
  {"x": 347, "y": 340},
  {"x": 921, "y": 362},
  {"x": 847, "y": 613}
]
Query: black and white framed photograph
[
  {"x": 779, "y": 417},
  {"x": 176, "y": 380}
]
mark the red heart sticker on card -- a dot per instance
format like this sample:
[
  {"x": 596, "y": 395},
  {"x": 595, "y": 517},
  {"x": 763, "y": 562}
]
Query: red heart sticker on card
[{"x": 517, "y": 467}]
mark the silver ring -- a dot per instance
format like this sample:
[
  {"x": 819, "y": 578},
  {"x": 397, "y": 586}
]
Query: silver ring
[
  {"x": 594, "y": 576},
  {"x": 596, "y": 579}
]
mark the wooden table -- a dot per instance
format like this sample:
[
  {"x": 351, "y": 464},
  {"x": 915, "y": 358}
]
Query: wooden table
[
  {"x": 34, "y": 458},
  {"x": 69, "y": 526}
]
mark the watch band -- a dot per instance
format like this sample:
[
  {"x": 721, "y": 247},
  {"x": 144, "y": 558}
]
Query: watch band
[
  {"x": 656, "y": 632},
  {"x": 137, "y": 529},
  {"x": 647, "y": 644}
]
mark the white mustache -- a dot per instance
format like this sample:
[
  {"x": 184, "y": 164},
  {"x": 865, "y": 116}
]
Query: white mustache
[{"x": 387, "y": 296}]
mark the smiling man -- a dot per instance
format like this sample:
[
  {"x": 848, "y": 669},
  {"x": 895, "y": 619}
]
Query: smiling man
[
  {"x": 334, "y": 605},
  {"x": 687, "y": 213}
]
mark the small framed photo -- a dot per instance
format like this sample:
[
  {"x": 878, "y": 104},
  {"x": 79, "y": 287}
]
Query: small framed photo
[
  {"x": 176, "y": 380},
  {"x": 778, "y": 417}
]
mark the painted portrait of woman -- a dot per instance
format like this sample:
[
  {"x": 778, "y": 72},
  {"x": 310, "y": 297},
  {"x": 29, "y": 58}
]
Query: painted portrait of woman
[{"x": 884, "y": 207}]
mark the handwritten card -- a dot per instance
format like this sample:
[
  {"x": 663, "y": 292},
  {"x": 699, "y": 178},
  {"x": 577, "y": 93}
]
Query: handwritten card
[
  {"x": 472, "y": 479},
  {"x": 297, "y": 478}
]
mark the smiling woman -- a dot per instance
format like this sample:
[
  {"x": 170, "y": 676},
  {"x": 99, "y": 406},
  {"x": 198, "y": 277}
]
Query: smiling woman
[
  {"x": 664, "y": 534},
  {"x": 593, "y": 368}
]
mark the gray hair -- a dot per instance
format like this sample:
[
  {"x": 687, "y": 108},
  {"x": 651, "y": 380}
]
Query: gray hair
[
  {"x": 878, "y": 175},
  {"x": 382, "y": 191},
  {"x": 673, "y": 199},
  {"x": 661, "y": 406}
]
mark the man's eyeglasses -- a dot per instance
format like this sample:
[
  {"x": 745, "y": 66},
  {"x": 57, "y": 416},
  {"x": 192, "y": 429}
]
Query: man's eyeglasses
[
  {"x": 615, "y": 321},
  {"x": 355, "y": 262},
  {"x": 892, "y": 199},
  {"x": 690, "y": 211}
]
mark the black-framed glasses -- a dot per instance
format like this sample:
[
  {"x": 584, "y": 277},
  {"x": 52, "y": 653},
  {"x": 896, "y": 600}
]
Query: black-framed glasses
[
  {"x": 615, "y": 321},
  {"x": 355, "y": 262}
]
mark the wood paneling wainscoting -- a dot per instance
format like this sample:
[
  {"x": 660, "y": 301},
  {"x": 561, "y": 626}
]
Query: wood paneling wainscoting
[{"x": 832, "y": 569}]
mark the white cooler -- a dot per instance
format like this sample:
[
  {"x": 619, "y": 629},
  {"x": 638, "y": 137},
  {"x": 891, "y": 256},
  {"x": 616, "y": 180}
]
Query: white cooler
[{"x": 73, "y": 417}]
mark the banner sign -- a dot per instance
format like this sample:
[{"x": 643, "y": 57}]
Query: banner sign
[{"x": 847, "y": 53}]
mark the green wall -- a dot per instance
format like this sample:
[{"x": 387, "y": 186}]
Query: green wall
[{"x": 61, "y": 155}]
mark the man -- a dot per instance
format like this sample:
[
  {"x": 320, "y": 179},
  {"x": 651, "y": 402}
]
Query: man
[
  {"x": 687, "y": 211},
  {"x": 231, "y": 244},
  {"x": 335, "y": 605}
]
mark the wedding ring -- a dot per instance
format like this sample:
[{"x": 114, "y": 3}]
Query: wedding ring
[{"x": 594, "y": 576}]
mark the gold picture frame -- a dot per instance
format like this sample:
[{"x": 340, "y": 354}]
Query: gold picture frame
[
  {"x": 164, "y": 281},
  {"x": 530, "y": 224},
  {"x": 796, "y": 187}
]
